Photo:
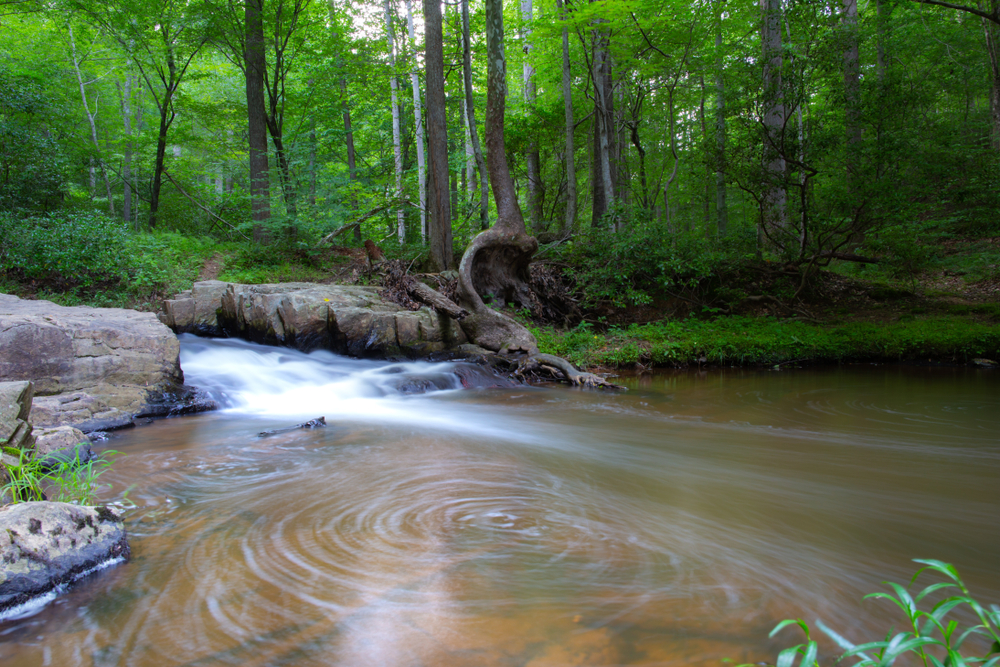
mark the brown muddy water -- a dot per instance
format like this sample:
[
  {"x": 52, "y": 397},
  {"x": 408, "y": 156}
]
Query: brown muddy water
[{"x": 671, "y": 525}]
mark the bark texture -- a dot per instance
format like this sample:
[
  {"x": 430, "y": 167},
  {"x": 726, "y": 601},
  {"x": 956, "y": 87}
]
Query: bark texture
[
  {"x": 437, "y": 139},
  {"x": 470, "y": 111},
  {"x": 257, "y": 119},
  {"x": 567, "y": 87}
]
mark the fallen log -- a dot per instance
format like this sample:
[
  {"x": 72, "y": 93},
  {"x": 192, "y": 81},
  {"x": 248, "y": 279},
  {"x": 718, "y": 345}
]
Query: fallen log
[{"x": 319, "y": 422}]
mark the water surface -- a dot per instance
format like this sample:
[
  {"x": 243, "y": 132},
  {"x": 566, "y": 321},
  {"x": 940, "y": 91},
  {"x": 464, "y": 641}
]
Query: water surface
[{"x": 671, "y": 525}]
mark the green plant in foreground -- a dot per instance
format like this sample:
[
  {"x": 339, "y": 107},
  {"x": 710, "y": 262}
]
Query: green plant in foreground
[
  {"x": 68, "y": 481},
  {"x": 925, "y": 625}
]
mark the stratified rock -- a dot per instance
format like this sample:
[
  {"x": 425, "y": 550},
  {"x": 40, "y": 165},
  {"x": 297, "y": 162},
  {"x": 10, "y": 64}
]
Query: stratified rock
[
  {"x": 62, "y": 444},
  {"x": 348, "y": 319},
  {"x": 15, "y": 411},
  {"x": 45, "y": 546},
  {"x": 94, "y": 368},
  {"x": 195, "y": 310}
]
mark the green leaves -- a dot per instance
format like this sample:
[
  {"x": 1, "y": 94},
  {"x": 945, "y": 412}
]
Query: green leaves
[
  {"x": 70, "y": 481},
  {"x": 894, "y": 646}
]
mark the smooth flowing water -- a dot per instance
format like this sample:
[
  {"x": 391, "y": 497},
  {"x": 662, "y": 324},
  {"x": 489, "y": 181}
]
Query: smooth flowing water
[{"x": 671, "y": 525}]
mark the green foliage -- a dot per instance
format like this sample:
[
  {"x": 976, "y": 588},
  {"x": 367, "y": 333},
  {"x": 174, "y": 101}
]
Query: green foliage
[
  {"x": 33, "y": 162},
  {"x": 932, "y": 639},
  {"x": 81, "y": 247},
  {"x": 742, "y": 340},
  {"x": 86, "y": 257},
  {"x": 69, "y": 481},
  {"x": 634, "y": 265}
]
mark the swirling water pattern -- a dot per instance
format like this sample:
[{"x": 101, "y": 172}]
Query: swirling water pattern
[{"x": 671, "y": 525}]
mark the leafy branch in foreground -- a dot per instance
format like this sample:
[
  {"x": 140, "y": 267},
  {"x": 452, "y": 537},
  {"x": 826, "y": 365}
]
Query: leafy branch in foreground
[{"x": 925, "y": 625}]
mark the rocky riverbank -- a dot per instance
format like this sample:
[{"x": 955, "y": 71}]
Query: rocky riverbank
[
  {"x": 92, "y": 368},
  {"x": 348, "y": 319}
]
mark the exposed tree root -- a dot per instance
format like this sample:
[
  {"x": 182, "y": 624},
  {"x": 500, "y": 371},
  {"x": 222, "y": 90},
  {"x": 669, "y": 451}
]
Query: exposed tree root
[{"x": 561, "y": 369}]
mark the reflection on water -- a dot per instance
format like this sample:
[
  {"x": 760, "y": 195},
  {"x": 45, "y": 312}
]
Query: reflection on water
[{"x": 672, "y": 525}]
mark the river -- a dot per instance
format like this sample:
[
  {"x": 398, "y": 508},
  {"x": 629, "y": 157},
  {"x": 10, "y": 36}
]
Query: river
[{"x": 674, "y": 524}]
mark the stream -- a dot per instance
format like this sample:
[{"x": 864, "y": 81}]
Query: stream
[{"x": 428, "y": 525}]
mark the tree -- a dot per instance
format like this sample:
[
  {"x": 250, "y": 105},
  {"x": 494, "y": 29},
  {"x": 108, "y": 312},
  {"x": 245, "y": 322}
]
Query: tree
[
  {"x": 254, "y": 67},
  {"x": 470, "y": 121},
  {"x": 773, "y": 214},
  {"x": 567, "y": 92},
  {"x": 162, "y": 37},
  {"x": 418, "y": 124},
  {"x": 442, "y": 256}
]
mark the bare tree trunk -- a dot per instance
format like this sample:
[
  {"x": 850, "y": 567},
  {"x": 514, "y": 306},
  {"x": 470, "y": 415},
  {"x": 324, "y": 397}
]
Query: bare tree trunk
[
  {"x": 567, "y": 89},
  {"x": 852, "y": 88},
  {"x": 604, "y": 192},
  {"x": 91, "y": 119},
  {"x": 470, "y": 111},
  {"x": 396, "y": 146},
  {"x": 352, "y": 171},
  {"x": 439, "y": 232},
  {"x": 312, "y": 160},
  {"x": 992, "y": 32},
  {"x": 773, "y": 201},
  {"x": 532, "y": 159},
  {"x": 260, "y": 191},
  {"x": 721, "y": 205},
  {"x": 126, "y": 108},
  {"x": 419, "y": 125},
  {"x": 470, "y": 155},
  {"x": 880, "y": 36}
]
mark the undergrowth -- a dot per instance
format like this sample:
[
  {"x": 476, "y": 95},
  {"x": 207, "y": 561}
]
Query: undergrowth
[
  {"x": 742, "y": 340},
  {"x": 29, "y": 478}
]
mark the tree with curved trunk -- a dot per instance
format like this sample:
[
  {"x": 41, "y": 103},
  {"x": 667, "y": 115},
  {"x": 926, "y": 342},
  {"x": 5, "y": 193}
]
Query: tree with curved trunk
[{"x": 495, "y": 265}]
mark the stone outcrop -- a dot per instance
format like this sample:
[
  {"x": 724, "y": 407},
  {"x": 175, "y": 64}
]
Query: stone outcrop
[
  {"x": 15, "y": 412},
  {"x": 94, "y": 368},
  {"x": 348, "y": 319},
  {"x": 45, "y": 546}
]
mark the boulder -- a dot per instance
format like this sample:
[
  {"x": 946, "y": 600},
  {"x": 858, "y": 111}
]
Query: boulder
[
  {"x": 94, "y": 368},
  {"x": 62, "y": 444},
  {"x": 46, "y": 546},
  {"x": 50, "y": 440},
  {"x": 349, "y": 319},
  {"x": 15, "y": 411}
]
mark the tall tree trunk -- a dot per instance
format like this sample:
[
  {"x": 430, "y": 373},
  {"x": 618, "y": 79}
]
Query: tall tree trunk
[
  {"x": 604, "y": 131},
  {"x": 567, "y": 89},
  {"x": 91, "y": 119},
  {"x": 352, "y": 171},
  {"x": 260, "y": 191},
  {"x": 773, "y": 201},
  {"x": 852, "y": 88},
  {"x": 721, "y": 205},
  {"x": 126, "y": 111},
  {"x": 705, "y": 201},
  {"x": 470, "y": 111},
  {"x": 437, "y": 139},
  {"x": 532, "y": 159},
  {"x": 992, "y": 32},
  {"x": 419, "y": 125},
  {"x": 470, "y": 155},
  {"x": 312, "y": 159},
  {"x": 396, "y": 145}
]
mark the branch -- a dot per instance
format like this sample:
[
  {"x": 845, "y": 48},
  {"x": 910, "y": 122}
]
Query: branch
[
  {"x": 199, "y": 205},
  {"x": 994, "y": 17}
]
